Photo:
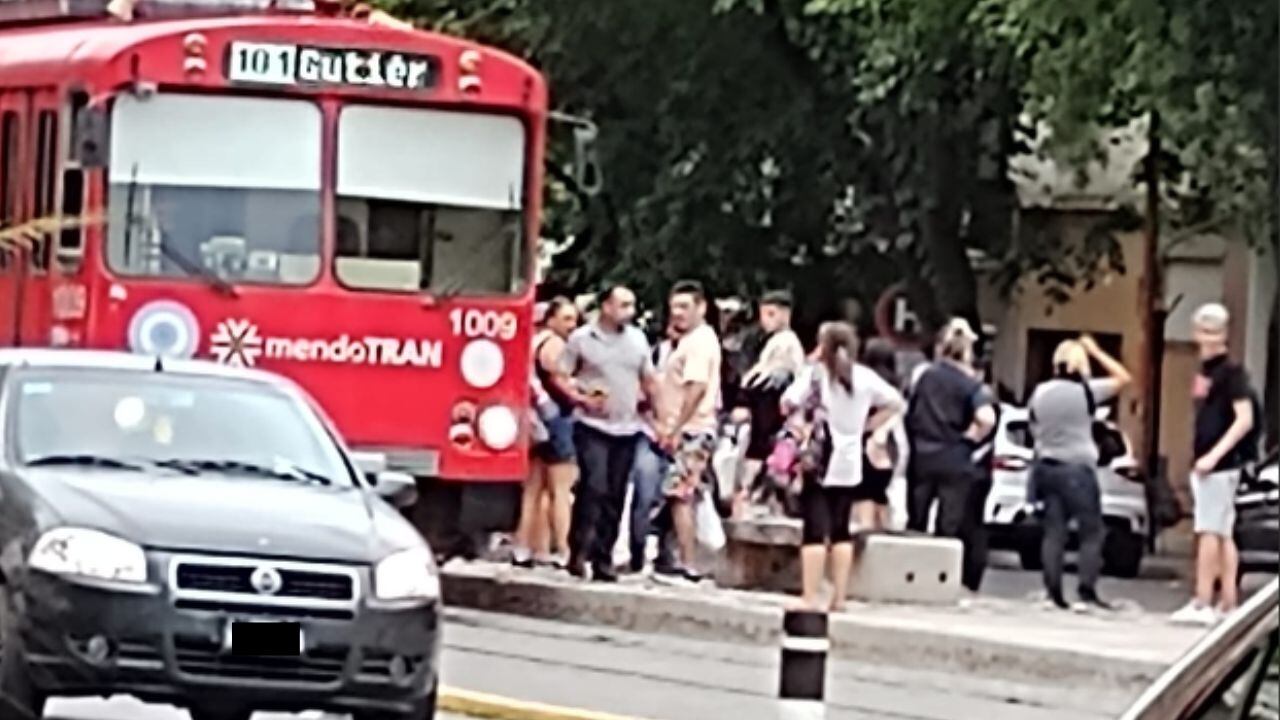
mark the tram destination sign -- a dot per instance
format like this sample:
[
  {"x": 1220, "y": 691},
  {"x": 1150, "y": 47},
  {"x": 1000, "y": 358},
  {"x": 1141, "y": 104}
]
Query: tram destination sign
[{"x": 281, "y": 64}]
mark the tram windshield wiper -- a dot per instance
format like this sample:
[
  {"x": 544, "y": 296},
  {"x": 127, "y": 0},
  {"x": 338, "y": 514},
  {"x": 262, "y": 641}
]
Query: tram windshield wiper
[{"x": 172, "y": 254}]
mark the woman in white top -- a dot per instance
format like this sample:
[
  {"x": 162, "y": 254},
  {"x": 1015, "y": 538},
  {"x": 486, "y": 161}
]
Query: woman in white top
[{"x": 850, "y": 400}]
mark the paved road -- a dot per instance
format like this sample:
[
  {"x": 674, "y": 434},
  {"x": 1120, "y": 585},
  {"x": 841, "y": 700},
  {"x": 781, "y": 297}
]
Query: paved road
[
  {"x": 671, "y": 679},
  {"x": 129, "y": 709},
  {"x": 665, "y": 678},
  {"x": 1160, "y": 590}
]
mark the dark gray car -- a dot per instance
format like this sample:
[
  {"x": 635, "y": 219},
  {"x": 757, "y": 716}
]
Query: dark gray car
[{"x": 198, "y": 535}]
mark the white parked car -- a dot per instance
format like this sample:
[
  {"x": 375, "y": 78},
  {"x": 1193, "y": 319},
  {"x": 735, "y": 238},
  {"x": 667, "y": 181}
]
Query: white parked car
[{"x": 1013, "y": 522}]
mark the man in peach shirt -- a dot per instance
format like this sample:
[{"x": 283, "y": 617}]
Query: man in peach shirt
[{"x": 688, "y": 391}]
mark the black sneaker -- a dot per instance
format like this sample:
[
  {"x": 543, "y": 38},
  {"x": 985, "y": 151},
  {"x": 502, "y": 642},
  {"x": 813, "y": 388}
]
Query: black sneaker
[
  {"x": 576, "y": 567},
  {"x": 668, "y": 570},
  {"x": 1055, "y": 597},
  {"x": 602, "y": 574},
  {"x": 672, "y": 575},
  {"x": 1090, "y": 600}
]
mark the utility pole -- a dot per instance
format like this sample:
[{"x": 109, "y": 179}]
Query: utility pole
[{"x": 1153, "y": 305}]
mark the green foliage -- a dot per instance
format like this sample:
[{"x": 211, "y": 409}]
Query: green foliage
[
  {"x": 838, "y": 146},
  {"x": 1208, "y": 70}
]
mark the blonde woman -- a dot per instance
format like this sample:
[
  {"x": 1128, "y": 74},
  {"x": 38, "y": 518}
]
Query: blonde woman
[{"x": 1064, "y": 477}]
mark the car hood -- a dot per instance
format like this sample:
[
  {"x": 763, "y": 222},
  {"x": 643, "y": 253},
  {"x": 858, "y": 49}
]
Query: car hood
[{"x": 224, "y": 514}]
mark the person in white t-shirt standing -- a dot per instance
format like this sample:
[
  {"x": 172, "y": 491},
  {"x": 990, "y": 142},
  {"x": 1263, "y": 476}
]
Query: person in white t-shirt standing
[{"x": 849, "y": 400}]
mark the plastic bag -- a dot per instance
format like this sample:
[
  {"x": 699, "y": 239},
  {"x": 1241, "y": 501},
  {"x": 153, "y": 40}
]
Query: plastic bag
[{"x": 710, "y": 530}]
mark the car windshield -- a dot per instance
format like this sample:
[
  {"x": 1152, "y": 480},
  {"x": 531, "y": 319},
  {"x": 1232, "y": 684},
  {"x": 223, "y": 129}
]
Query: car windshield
[
  {"x": 438, "y": 210},
  {"x": 192, "y": 425},
  {"x": 193, "y": 192}
]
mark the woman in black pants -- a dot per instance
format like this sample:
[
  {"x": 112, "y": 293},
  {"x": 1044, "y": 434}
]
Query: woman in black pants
[
  {"x": 847, "y": 400},
  {"x": 949, "y": 415}
]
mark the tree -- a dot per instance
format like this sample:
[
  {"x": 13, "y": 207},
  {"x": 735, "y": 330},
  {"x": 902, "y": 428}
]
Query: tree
[
  {"x": 837, "y": 146},
  {"x": 1208, "y": 71}
]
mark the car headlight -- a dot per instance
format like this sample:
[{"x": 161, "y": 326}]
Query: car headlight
[
  {"x": 407, "y": 575},
  {"x": 498, "y": 427},
  {"x": 79, "y": 552}
]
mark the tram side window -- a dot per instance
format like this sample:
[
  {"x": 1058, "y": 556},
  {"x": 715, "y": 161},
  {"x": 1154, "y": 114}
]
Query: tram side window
[
  {"x": 45, "y": 182},
  {"x": 8, "y": 178}
]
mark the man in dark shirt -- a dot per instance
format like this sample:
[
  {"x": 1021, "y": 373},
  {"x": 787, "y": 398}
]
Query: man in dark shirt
[
  {"x": 1225, "y": 441},
  {"x": 949, "y": 416}
]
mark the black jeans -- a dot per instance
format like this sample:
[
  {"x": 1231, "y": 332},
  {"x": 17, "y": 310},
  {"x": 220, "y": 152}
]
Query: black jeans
[
  {"x": 1069, "y": 490},
  {"x": 960, "y": 488},
  {"x": 604, "y": 466}
]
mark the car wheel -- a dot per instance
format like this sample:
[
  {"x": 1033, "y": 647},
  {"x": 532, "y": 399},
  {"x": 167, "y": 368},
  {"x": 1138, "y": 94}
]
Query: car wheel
[
  {"x": 18, "y": 696},
  {"x": 1029, "y": 557},
  {"x": 214, "y": 713},
  {"x": 1122, "y": 553},
  {"x": 1029, "y": 553}
]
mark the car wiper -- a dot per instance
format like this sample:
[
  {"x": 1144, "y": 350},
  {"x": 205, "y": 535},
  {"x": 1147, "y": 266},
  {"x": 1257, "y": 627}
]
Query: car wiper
[
  {"x": 289, "y": 472},
  {"x": 100, "y": 461}
]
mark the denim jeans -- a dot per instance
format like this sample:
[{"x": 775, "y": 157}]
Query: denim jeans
[
  {"x": 604, "y": 466},
  {"x": 1069, "y": 490},
  {"x": 650, "y": 467}
]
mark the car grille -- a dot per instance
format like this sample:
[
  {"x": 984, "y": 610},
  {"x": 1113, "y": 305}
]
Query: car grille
[
  {"x": 203, "y": 658},
  {"x": 235, "y": 584},
  {"x": 238, "y": 579}
]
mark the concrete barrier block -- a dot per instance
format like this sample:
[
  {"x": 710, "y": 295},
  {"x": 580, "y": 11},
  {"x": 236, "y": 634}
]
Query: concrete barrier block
[{"x": 907, "y": 569}]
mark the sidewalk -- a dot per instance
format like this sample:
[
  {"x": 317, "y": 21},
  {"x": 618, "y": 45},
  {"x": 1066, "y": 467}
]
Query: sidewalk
[{"x": 1000, "y": 639}]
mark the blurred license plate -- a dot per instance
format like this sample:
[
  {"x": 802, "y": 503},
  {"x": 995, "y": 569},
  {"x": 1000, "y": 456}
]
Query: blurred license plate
[{"x": 273, "y": 639}]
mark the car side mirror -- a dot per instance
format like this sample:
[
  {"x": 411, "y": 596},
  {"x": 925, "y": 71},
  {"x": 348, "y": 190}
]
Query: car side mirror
[
  {"x": 369, "y": 463},
  {"x": 397, "y": 488}
]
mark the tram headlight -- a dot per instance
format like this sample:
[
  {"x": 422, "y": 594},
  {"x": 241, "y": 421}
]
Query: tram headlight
[
  {"x": 482, "y": 364},
  {"x": 498, "y": 427},
  {"x": 165, "y": 329}
]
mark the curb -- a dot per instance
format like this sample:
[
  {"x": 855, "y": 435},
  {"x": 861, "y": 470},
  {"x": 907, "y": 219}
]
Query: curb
[
  {"x": 869, "y": 640},
  {"x": 496, "y": 707}
]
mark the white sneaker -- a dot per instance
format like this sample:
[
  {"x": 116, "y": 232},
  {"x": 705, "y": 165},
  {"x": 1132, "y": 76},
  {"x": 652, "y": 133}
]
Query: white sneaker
[{"x": 1195, "y": 614}]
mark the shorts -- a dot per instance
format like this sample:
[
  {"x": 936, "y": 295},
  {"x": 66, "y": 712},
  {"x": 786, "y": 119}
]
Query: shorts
[
  {"x": 874, "y": 486},
  {"x": 826, "y": 513},
  {"x": 1214, "y": 498},
  {"x": 692, "y": 458},
  {"x": 558, "y": 448}
]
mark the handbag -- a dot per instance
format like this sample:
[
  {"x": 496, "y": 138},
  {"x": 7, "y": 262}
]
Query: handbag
[{"x": 815, "y": 449}]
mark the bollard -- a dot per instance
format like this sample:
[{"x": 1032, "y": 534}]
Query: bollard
[{"x": 804, "y": 666}]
